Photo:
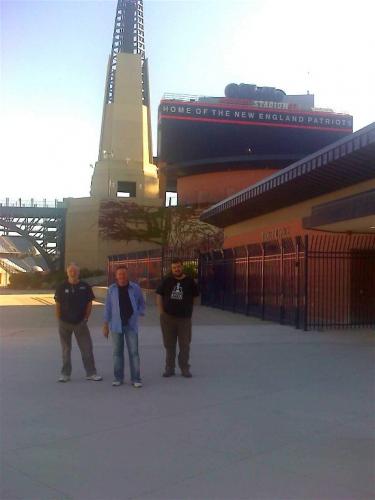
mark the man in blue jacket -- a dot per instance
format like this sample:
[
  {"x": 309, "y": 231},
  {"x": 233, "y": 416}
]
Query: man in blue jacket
[{"x": 124, "y": 304}]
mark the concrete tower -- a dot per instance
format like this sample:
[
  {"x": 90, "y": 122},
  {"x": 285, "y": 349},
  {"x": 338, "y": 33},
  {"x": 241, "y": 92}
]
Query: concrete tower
[{"x": 125, "y": 167}]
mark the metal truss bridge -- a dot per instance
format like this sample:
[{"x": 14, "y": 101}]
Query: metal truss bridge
[{"x": 41, "y": 223}]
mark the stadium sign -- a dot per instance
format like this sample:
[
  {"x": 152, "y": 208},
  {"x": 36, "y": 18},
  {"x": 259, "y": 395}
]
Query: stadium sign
[{"x": 280, "y": 117}]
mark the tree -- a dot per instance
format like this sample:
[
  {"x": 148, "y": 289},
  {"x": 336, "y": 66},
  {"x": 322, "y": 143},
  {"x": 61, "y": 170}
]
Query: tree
[{"x": 175, "y": 227}]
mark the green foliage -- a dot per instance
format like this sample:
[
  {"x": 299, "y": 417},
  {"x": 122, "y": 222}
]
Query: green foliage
[
  {"x": 45, "y": 280},
  {"x": 191, "y": 269}
]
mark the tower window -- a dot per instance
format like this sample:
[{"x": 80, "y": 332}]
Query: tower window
[{"x": 126, "y": 189}]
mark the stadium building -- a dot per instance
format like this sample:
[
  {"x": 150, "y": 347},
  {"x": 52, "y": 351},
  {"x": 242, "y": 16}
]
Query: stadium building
[
  {"x": 211, "y": 147},
  {"x": 299, "y": 245}
]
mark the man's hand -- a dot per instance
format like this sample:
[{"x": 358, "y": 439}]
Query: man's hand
[{"x": 105, "y": 330}]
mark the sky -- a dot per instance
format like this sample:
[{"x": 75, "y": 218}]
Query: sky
[{"x": 53, "y": 66}]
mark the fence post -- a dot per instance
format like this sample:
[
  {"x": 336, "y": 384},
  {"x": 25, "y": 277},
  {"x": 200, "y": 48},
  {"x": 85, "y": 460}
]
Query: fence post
[
  {"x": 306, "y": 291},
  {"x": 263, "y": 280},
  {"x": 148, "y": 269},
  {"x": 297, "y": 287},
  {"x": 200, "y": 276},
  {"x": 234, "y": 280},
  {"x": 247, "y": 279},
  {"x": 281, "y": 293},
  {"x": 161, "y": 262}
]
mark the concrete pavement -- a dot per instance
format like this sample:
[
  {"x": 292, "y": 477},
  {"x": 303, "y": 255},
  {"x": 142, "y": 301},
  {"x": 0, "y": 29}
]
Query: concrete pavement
[{"x": 271, "y": 413}]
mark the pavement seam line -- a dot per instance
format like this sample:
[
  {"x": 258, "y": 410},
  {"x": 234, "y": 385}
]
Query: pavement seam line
[{"x": 20, "y": 471}]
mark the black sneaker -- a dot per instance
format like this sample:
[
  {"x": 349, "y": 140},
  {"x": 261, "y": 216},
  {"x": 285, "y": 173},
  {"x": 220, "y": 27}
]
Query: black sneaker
[
  {"x": 168, "y": 373},
  {"x": 186, "y": 373}
]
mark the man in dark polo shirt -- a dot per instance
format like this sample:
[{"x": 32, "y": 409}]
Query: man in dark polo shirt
[
  {"x": 73, "y": 307},
  {"x": 175, "y": 300}
]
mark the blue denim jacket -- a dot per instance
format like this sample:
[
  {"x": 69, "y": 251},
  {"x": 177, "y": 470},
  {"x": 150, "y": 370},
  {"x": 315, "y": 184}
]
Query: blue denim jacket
[{"x": 112, "y": 307}]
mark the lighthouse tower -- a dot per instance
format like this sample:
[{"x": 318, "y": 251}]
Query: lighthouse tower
[
  {"x": 125, "y": 168},
  {"x": 125, "y": 163}
]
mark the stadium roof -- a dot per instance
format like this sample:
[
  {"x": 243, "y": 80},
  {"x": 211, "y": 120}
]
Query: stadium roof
[{"x": 346, "y": 162}]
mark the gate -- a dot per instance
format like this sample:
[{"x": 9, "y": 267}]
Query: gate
[
  {"x": 265, "y": 280},
  {"x": 341, "y": 276},
  {"x": 320, "y": 281}
]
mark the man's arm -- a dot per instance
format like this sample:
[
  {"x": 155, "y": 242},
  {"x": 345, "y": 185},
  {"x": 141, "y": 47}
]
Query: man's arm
[
  {"x": 58, "y": 310},
  {"x": 107, "y": 315},
  {"x": 88, "y": 310},
  {"x": 159, "y": 303},
  {"x": 57, "y": 302},
  {"x": 106, "y": 329},
  {"x": 159, "y": 297},
  {"x": 196, "y": 292},
  {"x": 141, "y": 302}
]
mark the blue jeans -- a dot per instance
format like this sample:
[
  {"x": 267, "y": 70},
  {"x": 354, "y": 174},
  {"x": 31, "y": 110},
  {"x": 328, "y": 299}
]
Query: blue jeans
[{"x": 131, "y": 338}]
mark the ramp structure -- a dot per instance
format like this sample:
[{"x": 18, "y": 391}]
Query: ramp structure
[{"x": 43, "y": 226}]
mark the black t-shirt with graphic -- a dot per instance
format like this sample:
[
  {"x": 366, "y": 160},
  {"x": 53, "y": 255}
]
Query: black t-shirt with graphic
[
  {"x": 178, "y": 295},
  {"x": 73, "y": 300}
]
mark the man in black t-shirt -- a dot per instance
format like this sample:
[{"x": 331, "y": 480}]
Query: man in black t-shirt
[
  {"x": 73, "y": 307},
  {"x": 175, "y": 300}
]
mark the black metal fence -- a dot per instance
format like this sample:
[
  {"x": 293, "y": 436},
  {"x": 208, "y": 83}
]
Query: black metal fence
[
  {"x": 148, "y": 267},
  {"x": 266, "y": 280},
  {"x": 310, "y": 282},
  {"x": 341, "y": 281}
]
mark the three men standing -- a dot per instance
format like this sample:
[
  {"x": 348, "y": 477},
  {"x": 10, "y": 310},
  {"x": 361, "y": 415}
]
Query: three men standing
[
  {"x": 175, "y": 299},
  {"x": 73, "y": 308},
  {"x": 124, "y": 304}
]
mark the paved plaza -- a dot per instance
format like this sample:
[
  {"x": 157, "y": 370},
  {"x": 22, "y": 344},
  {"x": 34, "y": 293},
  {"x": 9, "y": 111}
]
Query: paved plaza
[{"x": 271, "y": 413}]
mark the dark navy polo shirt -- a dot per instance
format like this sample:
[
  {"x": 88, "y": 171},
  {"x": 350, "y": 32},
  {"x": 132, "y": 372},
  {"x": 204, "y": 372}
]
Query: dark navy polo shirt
[{"x": 73, "y": 300}]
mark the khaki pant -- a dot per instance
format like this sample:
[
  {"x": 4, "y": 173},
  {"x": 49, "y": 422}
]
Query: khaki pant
[
  {"x": 83, "y": 337},
  {"x": 176, "y": 329}
]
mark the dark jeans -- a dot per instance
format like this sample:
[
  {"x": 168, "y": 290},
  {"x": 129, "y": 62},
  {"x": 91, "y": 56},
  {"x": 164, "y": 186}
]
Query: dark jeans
[
  {"x": 176, "y": 329},
  {"x": 83, "y": 337},
  {"x": 131, "y": 338}
]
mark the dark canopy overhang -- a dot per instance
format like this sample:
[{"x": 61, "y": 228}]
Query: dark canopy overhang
[{"x": 341, "y": 164}]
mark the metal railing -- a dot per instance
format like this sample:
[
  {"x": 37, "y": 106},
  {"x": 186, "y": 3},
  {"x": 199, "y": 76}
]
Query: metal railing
[
  {"x": 310, "y": 282},
  {"x": 266, "y": 280},
  {"x": 31, "y": 202},
  {"x": 341, "y": 281},
  {"x": 183, "y": 97},
  {"x": 147, "y": 268}
]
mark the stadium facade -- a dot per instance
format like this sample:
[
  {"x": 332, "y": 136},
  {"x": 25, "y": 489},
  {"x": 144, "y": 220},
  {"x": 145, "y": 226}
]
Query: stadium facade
[{"x": 210, "y": 147}]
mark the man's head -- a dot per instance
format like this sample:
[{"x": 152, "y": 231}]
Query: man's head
[
  {"x": 122, "y": 276},
  {"x": 177, "y": 268},
  {"x": 73, "y": 272}
]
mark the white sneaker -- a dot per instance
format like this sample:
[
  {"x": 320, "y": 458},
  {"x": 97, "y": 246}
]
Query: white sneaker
[
  {"x": 137, "y": 385},
  {"x": 64, "y": 378},
  {"x": 95, "y": 378},
  {"x": 117, "y": 383}
]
